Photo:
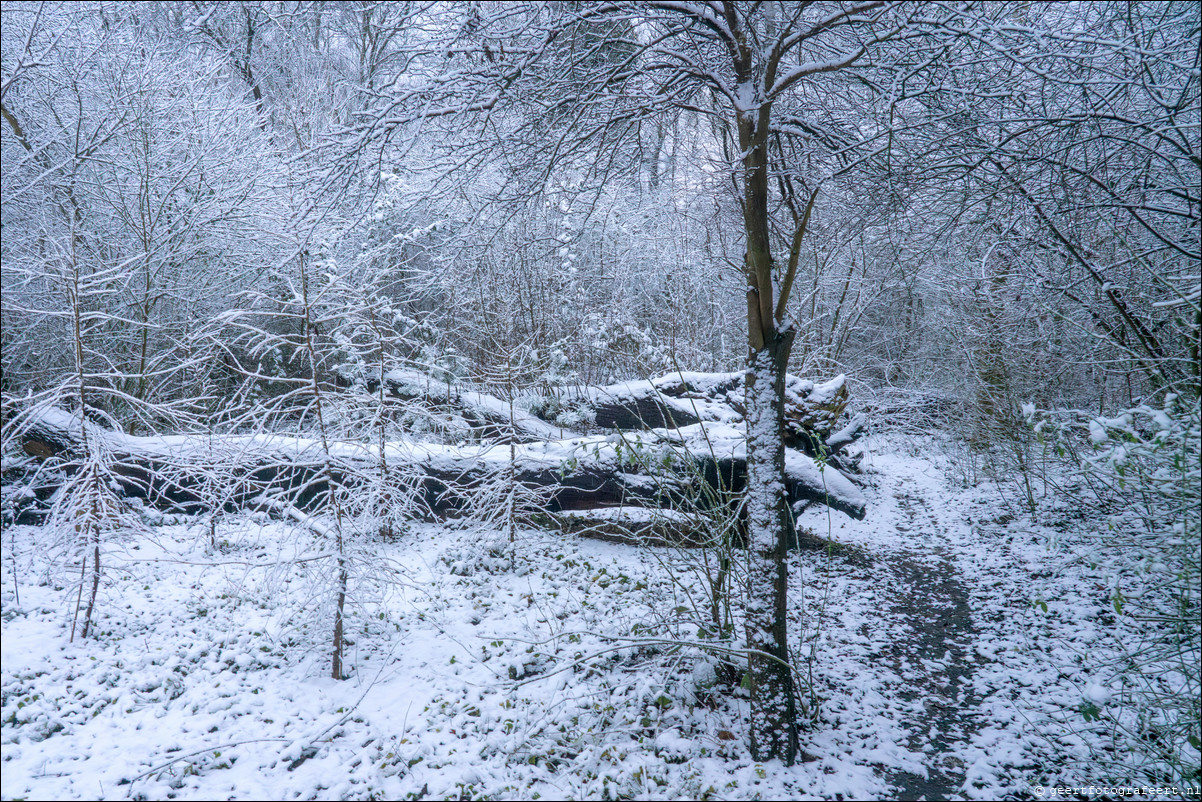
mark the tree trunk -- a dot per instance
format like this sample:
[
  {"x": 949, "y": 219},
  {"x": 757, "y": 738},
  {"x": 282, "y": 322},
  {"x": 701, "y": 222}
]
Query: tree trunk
[
  {"x": 773, "y": 696},
  {"x": 773, "y": 722},
  {"x": 338, "y": 639}
]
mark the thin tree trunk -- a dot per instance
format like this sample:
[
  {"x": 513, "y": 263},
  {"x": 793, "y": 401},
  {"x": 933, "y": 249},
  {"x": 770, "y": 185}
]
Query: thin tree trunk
[
  {"x": 92, "y": 528},
  {"x": 83, "y": 572},
  {"x": 87, "y": 616},
  {"x": 337, "y": 640}
]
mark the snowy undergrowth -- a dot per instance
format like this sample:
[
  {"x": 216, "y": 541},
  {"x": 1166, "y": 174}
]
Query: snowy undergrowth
[
  {"x": 547, "y": 669},
  {"x": 473, "y": 676}
]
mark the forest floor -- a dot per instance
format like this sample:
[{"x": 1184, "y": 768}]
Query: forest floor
[{"x": 948, "y": 643}]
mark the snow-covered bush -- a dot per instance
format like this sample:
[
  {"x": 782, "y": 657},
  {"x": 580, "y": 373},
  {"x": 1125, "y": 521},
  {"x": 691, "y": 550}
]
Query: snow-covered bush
[
  {"x": 1137, "y": 475},
  {"x": 621, "y": 346}
]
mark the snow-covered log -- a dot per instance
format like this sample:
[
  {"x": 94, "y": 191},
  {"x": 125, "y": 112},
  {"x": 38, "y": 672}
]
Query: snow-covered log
[
  {"x": 666, "y": 468},
  {"x": 685, "y": 398},
  {"x": 678, "y": 399},
  {"x": 486, "y": 415}
]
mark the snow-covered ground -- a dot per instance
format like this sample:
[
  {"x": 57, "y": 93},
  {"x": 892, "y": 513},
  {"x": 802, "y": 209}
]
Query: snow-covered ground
[{"x": 950, "y": 645}]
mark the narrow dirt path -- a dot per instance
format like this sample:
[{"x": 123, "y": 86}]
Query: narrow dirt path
[
  {"x": 931, "y": 653},
  {"x": 971, "y": 638}
]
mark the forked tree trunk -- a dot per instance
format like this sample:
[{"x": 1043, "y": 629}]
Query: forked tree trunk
[{"x": 773, "y": 721}]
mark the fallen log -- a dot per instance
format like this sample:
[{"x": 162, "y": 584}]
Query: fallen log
[
  {"x": 665, "y": 468},
  {"x": 486, "y": 416},
  {"x": 671, "y": 401},
  {"x": 687, "y": 398}
]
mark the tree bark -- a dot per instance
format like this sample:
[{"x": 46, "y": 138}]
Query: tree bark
[
  {"x": 773, "y": 724},
  {"x": 769, "y": 524}
]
